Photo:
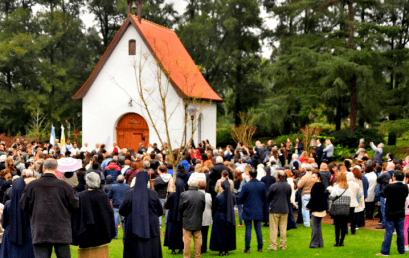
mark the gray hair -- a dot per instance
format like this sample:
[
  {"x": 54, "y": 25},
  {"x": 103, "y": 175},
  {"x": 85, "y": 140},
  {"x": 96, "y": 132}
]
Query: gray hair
[
  {"x": 382, "y": 145},
  {"x": 294, "y": 156},
  {"x": 29, "y": 173},
  {"x": 219, "y": 159},
  {"x": 15, "y": 177},
  {"x": 93, "y": 180},
  {"x": 215, "y": 152},
  {"x": 193, "y": 181},
  {"x": 146, "y": 164},
  {"x": 244, "y": 159},
  {"x": 308, "y": 167},
  {"x": 50, "y": 164},
  {"x": 314, "y": 165}
]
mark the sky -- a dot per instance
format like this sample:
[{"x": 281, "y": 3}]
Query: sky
[{"x": 269, "y": 22}]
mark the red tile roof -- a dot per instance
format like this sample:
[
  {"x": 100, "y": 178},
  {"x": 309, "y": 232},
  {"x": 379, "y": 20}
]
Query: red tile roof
[{"x": 164, "y": 45}]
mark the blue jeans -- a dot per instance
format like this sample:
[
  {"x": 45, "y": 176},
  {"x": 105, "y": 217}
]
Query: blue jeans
[
  {"x": 383, "y": 210},
  {"x": 116, "y": 216},
  {"x": 390, "y": 226},
  {"x": 306, "y": 213},
  {"x": 162, "y": 201},
  {"x": 240, "y": 212},
  {"x": 293, "y": 224},
  {"x": 257, "y": 227}
]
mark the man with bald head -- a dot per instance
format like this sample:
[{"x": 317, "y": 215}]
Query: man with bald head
[
  {"x": 116, "y": 194},
  {"x": 279, "y": 195}
]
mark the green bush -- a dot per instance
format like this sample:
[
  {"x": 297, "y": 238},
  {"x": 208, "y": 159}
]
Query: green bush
[
  {"x": 341, "y": 153},
  {"x": 350, "y": 139},
  {"x": 283, "y": 138},
  {"x": 224, "y": 137}
]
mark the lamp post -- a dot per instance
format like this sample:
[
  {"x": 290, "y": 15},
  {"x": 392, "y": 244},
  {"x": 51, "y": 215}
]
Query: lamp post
[{"x": 192, "y": 113}]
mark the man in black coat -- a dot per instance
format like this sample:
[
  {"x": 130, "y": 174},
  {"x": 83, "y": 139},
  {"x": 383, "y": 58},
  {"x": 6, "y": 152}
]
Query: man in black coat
[
  {"x": 192, "y": 205},
  {"x": 319, "y": 150},
  {"x": 279, "y": 196},
  {"x": 216, "y": 174},
  {"x": 395, "y": 194},
  {"x": 50, "y": 202}
]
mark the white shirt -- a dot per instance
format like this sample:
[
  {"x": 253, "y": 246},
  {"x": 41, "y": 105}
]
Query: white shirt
[
  {"x": 85, "y": 149},
  {"x": 74, "y": 151},
  {"x": 124, "y": 169}
]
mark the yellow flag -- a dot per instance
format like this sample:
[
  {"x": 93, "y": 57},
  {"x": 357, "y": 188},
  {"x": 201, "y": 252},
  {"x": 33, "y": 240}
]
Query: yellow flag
[{"x": 62, "y": 141}]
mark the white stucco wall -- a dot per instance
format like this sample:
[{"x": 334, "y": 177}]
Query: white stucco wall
[
  {"x": 105, "y": 103},
  {"x": 208, "y": 124}
]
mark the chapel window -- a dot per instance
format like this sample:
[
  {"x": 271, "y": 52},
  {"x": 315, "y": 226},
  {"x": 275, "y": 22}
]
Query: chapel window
[{"x": 132, "y": 47}]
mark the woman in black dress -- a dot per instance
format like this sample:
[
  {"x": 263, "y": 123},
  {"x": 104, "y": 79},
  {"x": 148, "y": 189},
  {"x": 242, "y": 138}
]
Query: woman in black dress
[
  {"x": 141, "y": 208},
  {"x": 317, "y": 205},
  {"x": 174, "y": 228},
  {"x": 223, "y": 238}
]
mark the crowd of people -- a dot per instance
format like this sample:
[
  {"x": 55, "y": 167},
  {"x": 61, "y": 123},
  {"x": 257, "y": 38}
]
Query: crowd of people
[{"x": 280, "y": 185}]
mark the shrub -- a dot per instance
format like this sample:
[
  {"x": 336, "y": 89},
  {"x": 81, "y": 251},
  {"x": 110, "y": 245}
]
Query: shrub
[
  {"x": 341, "y": 153},
  {"x": 350, "y": 139},
  {"x": 223, "y": 136},
  {"x": 283, "y": 138}
]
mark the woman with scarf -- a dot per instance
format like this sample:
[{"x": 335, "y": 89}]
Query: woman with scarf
[
  {"x": 93, "y": 224},
  {"x": 223, "y": 238},
  {"x": 174, "y": 228},
  {"x": 141, "y": 208},
  {"x": 16, "y": 223}
]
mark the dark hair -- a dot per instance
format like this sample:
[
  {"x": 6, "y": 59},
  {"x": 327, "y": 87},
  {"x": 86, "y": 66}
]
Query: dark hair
[
  {"x": 378, "y": 168},
  {"x": 153, "y": 155},
  {"x": 297, "y": 173},
  {"x": 191, "y": 168},
  {"x": 253, "y": 173},
  {"x": 225, "y": 173},
  {"x": 281, "y": 175},
  {"x": 369, "y": 166},
  {"x": 204, "y": 157},
  {"x": 163, "y": 169},
  {"x": 399, "y": 175},
  {"x": 317, "y": 174},
  {"x": 347, "y": 164},
  {"x": 398, "y": 167},
  {"x": 169, "y": 166}
]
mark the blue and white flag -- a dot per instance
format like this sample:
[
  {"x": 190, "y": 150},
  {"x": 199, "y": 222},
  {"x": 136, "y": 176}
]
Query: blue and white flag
[{"x": 52, "y": 136}]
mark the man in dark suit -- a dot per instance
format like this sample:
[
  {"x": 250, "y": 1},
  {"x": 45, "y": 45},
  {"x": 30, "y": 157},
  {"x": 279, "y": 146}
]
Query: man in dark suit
[
  {"x": 253, "y": 197},
  {"x": 395, "y": 194},
  {"x": 279, "y": 195},
  {"x": 318, "y": 149}
]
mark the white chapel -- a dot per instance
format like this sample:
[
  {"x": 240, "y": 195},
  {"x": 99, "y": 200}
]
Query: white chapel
[{"x": 150, "y": 56}]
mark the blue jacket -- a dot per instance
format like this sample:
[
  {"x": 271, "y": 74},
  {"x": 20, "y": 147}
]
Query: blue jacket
[
  {"x": 365, "y": 184},
  {"x": 253, "y": 197},
  {"x": 117, "y": 194}
]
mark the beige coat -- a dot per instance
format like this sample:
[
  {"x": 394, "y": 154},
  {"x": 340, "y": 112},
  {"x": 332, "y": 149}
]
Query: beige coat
[
  {"x": 219, "y": 189},
  {"x": 72, "y": 181},
  {"x": 354, "y": 188}
]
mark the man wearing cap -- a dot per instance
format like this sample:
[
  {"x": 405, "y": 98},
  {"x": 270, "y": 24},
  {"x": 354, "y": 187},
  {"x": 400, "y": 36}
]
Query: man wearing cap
[{"x": 50, "y": 202}]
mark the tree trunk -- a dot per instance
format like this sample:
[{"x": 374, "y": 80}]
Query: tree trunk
[
  {"x": 354, "y": 106},
  {"x": 352, "y": 82},
  {"x": 338, "y": 116}
]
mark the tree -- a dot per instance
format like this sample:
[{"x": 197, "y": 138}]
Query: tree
[
  {"x": 38, "y": 125},
  {"x": 222, "y": 36},
  {"x": 161, "y": 96}
]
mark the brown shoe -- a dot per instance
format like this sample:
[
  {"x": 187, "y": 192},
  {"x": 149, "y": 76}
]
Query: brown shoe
[
  {"x": 246, "y": 252},
  {"x": 260, "y": 251}
]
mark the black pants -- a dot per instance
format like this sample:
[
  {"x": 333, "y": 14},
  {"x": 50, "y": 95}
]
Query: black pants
[
  {"x": 45, "y": 250},
  {"x": 205, "y": 231},
  {"x": 341, "y": 224},
  {"x": 369, "y": 207},
  {"x": 353, "y": 218}
]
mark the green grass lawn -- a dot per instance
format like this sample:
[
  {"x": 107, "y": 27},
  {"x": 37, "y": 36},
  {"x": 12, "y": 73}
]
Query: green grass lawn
[{"x": 365, "y": 243}]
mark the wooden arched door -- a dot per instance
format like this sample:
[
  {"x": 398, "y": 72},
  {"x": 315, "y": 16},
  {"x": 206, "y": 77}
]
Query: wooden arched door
[{"x": 131, "y": 130}]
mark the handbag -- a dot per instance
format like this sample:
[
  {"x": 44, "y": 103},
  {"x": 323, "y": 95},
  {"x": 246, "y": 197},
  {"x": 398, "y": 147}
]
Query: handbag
[{"x": 339, "y": 209}]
